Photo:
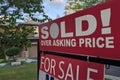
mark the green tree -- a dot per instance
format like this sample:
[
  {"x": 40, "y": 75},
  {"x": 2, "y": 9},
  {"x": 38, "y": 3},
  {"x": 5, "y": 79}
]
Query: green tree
[
  {"x": 13, "y": 35},
  {"x": 10, "y": 10},
  {"x": 77, "y": 5}
]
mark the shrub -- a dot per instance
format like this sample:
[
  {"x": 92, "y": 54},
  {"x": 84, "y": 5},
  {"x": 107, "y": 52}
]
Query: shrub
[
  {"x": 2, "y": 56},
  {"x": 12, "y": 52}
]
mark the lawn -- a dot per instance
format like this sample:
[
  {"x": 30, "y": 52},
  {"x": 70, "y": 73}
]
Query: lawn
[{"x": 23, "y": 72}]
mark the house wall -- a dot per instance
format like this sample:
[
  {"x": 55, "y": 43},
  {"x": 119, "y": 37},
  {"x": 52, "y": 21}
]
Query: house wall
[
  {"x": 30, "y": 53},
  {"x": 33, "y": 51}
]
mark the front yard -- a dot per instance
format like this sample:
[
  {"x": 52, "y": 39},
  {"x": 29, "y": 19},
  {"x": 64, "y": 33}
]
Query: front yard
[{"x": 22, "y": 72}]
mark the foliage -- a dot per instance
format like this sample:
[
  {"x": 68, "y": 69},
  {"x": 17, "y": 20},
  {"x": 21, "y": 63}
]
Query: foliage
[
  {"x": 12, "y": 51},
  {"x": 23, "y": 72},
  {"x": 13, "y": 34},
  {"x": 1, "y": 54},
  {"x": 77, "y": 5},
  {"x": 11, "y": 10},
  {"x": 2, "y": 61}
]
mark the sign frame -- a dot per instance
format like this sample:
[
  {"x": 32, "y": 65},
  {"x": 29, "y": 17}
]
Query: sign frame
[
  {"x": 85, "y": 57},
  {"x": 105, "y": 38}
]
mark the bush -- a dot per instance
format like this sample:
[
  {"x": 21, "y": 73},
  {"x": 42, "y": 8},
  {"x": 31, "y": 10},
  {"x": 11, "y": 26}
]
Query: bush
[
  {"x": 12, "y": 51},
  {"x": 2, "y": 56}
]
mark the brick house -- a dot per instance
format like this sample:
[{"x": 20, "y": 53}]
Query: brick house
[{"x": 32, "y": 51}]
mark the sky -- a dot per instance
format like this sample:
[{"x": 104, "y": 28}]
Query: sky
[{"x": 54, "y": 8}]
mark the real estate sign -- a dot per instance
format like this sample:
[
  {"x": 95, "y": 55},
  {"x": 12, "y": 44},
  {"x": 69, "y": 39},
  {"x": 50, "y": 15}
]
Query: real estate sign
[
  {"x": 61, "y": 68},
  {"x": 94, "y": 32}
]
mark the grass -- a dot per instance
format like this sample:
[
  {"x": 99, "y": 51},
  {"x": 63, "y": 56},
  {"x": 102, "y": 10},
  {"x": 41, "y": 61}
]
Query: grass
[
  {"x": 107, "y": 79},
  {"x": 22, "y": 72}
]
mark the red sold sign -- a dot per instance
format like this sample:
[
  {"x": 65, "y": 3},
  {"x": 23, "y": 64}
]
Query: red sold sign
[
  {"x": 61, "y": 68},
  {"x": 94, "y": 31}
]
